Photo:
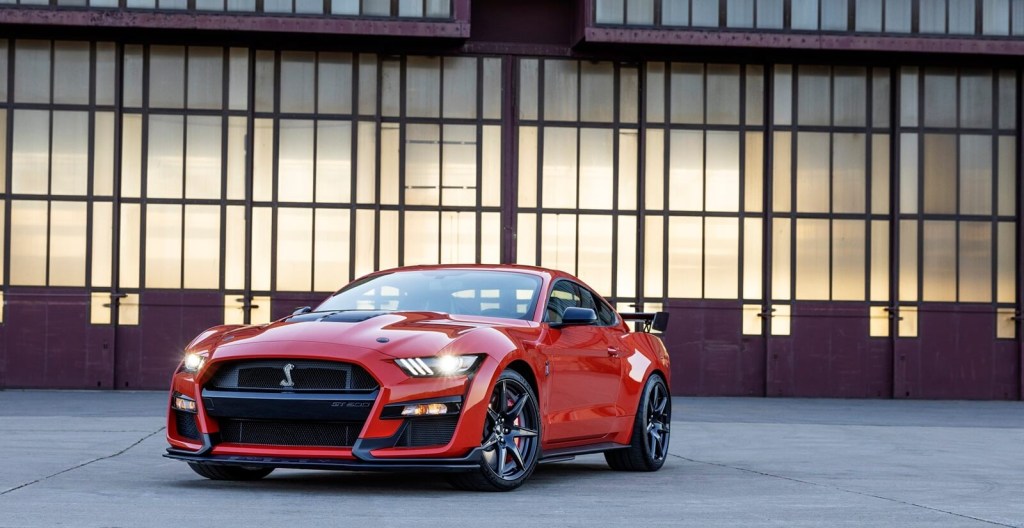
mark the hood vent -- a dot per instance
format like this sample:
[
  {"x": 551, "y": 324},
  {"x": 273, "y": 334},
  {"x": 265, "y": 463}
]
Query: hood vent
[{"x": 345, "y": 316}]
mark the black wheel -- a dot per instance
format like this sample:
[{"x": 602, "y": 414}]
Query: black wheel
[
  {"x": 219, "y": 472},
  {"x": 651, "y": 430},
  {"x": 511, "y": 438}
]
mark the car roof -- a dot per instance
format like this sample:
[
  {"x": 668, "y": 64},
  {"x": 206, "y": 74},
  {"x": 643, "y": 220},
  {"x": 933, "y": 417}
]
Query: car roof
[{"x": 550, "y": 274}]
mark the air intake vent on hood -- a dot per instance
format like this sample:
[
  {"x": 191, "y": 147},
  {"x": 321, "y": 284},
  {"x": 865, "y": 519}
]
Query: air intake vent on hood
[{"x": 343, "y": 316}]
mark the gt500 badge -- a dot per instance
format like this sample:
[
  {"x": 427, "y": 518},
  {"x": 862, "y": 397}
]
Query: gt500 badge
[{"x": 351, "y": 404}]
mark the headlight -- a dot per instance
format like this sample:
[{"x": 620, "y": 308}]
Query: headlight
[
  {"x": 193, "y": 362},
  {"x": 437, "y": 366}
]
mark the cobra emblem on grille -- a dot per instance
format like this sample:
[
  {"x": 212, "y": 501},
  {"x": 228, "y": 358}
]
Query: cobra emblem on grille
[{"x": 287, "y": 381}]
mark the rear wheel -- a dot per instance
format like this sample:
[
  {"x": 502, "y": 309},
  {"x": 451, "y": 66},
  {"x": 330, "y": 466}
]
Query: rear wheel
[
  {"x": 651, "y": 429},
  {"x": 219, "y": 472},
  {"x": 511, "y": 438}
]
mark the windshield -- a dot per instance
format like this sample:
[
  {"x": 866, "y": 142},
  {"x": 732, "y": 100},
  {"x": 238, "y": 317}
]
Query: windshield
[{"x": 462, "y": 292}]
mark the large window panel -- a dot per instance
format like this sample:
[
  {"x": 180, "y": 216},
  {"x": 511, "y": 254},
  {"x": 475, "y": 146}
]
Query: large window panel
[
  {"x": 422, "y": 238},
  {"x": 31, "y": 71},
  {"x": 164, "y": 162},
  {"x": 71, "y": 77},
  {"x": 686, "y": 170},
  {"x": 298, "y": 82},
  {"x": 295, "y": 160},
  {"x": 597, "y": 91},
  {"x": 849, "y": 182},
  {"x": 294, "y": 249},
  {"x": 29, "y": 222},
  {"x": 597, "y": 169},
  {"x": 129, "y": 244},
  {"x": 560, "y": 90},
  {"x": 940, "y": 181},
  {"x": 458, "y": 237},
  {"x": 30, "y": 152},
  {"x": 975, "y": 262},
  {"x": 102, "y": 244},
  {"x": 163, "y": 246},
  {"x": 560, "y": 168},
  {"x": 423, "y": 86},
  {"x": 202, "y": 246},
  {"x": 458, "y": 166},
  {"x": 166, "y": 76},
  {"x": 812, "y": 172},
  {"x": 558, "y": 231},
  {"x": 205, "y": 77},
  {"x": 595, "y": 252},
  {"x": 203, "y": 157},
  {"x": 848, "y": 257},
  {"x": 938, "y": 261},
  {"x": 686, "y": 95},
  {"x": 333, "y": 161},
  {"x": 422, "y": 165},
  {"x": 685, "y": 262},
  {"x": 975, "y": 175},
  {"x": 67, "y": 244},
  {"x": 721, "y": 258},
  {"x": 812, "y": 259},
  {"x": 722, "y": 172}
]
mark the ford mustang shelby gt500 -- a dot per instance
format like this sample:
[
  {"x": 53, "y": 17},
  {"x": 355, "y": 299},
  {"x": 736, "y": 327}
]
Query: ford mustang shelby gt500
[{"x": 480, "y": 372}]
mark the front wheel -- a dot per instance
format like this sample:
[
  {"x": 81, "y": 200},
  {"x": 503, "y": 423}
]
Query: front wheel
[
  {"x": 511, "y": 438},
  {"x": 651, "y": 428}
]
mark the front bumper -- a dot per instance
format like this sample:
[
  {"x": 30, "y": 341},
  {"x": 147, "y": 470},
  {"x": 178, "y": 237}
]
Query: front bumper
[{"x": 382, "y": 442}]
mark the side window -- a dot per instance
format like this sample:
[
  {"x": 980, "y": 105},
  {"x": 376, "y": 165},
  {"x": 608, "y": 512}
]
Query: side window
[
  {"x": 563, "y": 295},
  {"x": 605, "y": 315}
]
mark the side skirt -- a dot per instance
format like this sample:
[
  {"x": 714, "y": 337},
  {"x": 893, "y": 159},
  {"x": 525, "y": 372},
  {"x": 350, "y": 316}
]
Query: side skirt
[{"x": 568, "y": 453}]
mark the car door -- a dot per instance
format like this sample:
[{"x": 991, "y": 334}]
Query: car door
[{"x": 584, "y": 379}]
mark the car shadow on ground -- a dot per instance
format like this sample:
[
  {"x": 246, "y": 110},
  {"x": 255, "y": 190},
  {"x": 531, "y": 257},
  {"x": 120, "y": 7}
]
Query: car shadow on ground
[{"x": 370, "y": 483}]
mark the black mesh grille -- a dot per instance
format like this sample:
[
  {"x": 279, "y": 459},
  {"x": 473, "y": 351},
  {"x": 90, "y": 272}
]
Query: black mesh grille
[
  {"x": 305, "y": 375},
  {"x": 428, "y": 432},
  {"x": 330, "y": 434},
  {"x": 186, "y": 424}
]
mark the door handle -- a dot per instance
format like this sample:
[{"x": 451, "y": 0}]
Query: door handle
[{"x": 614, "y": 351}]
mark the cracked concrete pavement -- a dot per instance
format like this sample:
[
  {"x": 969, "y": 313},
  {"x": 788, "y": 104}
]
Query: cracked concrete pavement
[{"x": 92, "y": 459}]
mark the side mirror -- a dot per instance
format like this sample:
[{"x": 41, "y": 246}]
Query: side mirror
[
  {"x": 303, "y": 310},
  {"x": 574, "y": 315},
  {"x": 660, "y": 321}
]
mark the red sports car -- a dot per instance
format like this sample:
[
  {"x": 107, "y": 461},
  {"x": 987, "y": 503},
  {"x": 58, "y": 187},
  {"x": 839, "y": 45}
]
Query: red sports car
[{"x": 480, "y": 372}]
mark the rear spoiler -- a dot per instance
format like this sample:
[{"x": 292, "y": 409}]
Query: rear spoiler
[{"x": 657, "y": 321}]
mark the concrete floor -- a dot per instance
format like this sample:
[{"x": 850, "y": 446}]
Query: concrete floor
[{"x": 92, "y": 459}]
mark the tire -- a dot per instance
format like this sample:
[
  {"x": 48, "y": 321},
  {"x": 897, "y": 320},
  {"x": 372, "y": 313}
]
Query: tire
[
  {"x": 510, "y": 440},
  {"x": 651, "y": 431},
  {"x": 219, "y": 472}
]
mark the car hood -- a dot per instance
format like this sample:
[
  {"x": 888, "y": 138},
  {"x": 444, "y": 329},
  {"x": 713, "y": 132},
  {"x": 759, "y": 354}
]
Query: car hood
[{"x": 396, "y": 334}]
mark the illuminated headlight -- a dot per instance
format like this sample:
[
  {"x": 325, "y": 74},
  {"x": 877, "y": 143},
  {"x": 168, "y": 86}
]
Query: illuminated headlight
[
  {"x": 425, "y": 409},
  {"x": 184, "y": 403},
  {"x": 437, "y": 366},
  {"x": 193, "y": 362}
]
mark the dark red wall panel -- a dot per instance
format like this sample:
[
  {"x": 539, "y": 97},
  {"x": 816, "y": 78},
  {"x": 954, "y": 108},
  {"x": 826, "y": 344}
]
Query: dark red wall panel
[
  {"x": 957, "y": 357},
  {"x": 49, "y": 343},
  {"x": 829, "y": 354},
  {"x": 148, "y": 353},
  {"x": 710, "y": 357}
]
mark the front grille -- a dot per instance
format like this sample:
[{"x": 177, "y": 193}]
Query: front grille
[
  {"x": 186, "y": 425},
  {"x": 323, "y": 434},
  {"x": 428, "y": 432},
  {"x": 269, "y": 374}
]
